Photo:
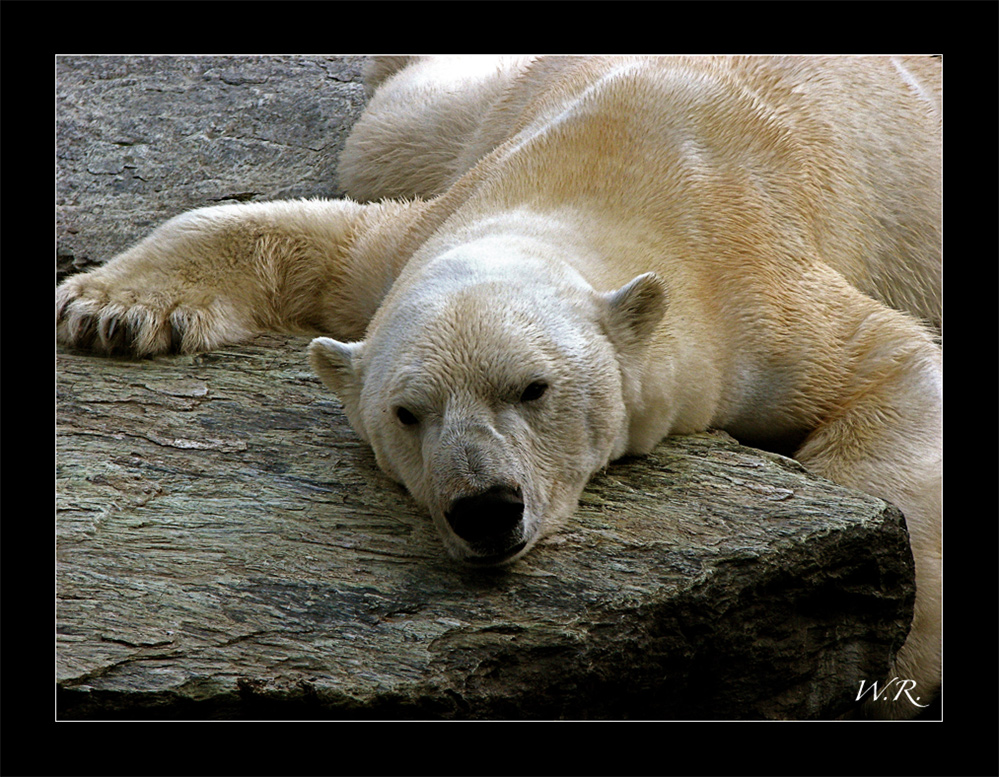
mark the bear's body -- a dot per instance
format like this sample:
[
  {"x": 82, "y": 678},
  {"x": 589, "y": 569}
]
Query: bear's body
[{"x": 602, "y": 251}]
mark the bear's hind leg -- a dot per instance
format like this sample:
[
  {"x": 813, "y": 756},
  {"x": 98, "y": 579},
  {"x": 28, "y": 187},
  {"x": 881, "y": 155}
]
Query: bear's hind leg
[{"x": 885, "y": 437}]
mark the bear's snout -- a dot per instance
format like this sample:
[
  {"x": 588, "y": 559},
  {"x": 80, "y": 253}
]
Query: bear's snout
[{"x": 491, "y": 522}]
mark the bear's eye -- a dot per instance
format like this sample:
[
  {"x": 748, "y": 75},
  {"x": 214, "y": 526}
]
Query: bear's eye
[
  {"x": 534, "y": 391},
  {"x": 405, "y": 417}
]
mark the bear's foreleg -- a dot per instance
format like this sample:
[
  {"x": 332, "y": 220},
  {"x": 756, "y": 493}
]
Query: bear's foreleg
[{"x": 216, "y": 276}]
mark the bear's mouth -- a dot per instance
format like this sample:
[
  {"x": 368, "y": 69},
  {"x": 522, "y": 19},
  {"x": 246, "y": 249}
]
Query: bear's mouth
[{"x": 496, "y": 558}]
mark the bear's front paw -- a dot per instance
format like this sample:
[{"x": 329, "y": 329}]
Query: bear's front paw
[{"x": 95, "y": 314}]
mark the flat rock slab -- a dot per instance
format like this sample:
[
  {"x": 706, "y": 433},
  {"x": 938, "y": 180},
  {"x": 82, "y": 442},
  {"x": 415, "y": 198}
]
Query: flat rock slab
[{"x": 227, "y": 547}]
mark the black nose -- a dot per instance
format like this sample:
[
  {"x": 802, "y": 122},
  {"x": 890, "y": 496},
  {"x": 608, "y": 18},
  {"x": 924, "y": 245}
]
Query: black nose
[{"x": 491, "y": 516}]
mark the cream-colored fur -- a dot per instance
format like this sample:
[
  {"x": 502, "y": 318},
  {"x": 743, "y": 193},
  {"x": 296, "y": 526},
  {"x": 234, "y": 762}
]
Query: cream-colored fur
[{"x": 596, "y": 252}]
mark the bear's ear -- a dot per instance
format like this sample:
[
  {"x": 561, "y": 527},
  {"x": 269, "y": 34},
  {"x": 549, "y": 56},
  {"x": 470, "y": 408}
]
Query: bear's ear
[
  {"x": 336, "y": 365},
  {"x": 634, "y": 310}
]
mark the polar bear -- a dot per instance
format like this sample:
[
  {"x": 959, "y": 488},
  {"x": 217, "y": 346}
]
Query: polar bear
[{"x": 559, "y": 261}]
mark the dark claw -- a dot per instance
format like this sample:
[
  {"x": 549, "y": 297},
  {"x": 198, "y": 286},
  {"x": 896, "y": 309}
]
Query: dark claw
[
  {"x": 176, "y": 336},
  {"x": 117, "y": 337},
  {"x": 87, "y": 333}
]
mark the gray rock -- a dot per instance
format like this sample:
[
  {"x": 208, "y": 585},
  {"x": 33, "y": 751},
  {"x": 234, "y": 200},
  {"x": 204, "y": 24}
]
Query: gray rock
[
  {"x": 141, "y": 139},
  {"x": 227, "y": 547}
]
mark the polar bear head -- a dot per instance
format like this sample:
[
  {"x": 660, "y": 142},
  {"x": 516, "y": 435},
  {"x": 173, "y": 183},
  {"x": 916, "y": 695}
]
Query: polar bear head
[{"x": 494, "y": 401}]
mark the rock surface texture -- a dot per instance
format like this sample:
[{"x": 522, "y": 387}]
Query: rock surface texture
[
  {"x": 141, "y": 139},
  {"x": 228, "y": 548}
]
